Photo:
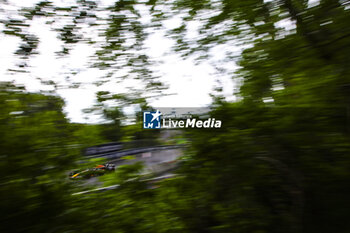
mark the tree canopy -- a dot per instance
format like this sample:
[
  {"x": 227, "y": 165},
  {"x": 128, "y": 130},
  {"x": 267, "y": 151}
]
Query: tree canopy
[{"x": 280, "y": 162}]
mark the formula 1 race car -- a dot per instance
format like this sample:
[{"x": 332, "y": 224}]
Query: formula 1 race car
[{"x": 99, "y": 170}]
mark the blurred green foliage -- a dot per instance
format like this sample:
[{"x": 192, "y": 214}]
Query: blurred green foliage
[
  {"x": 280, "y": 162},
  {"x": 88, "y": 134},
  {"x": 37, "y": 146}
]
